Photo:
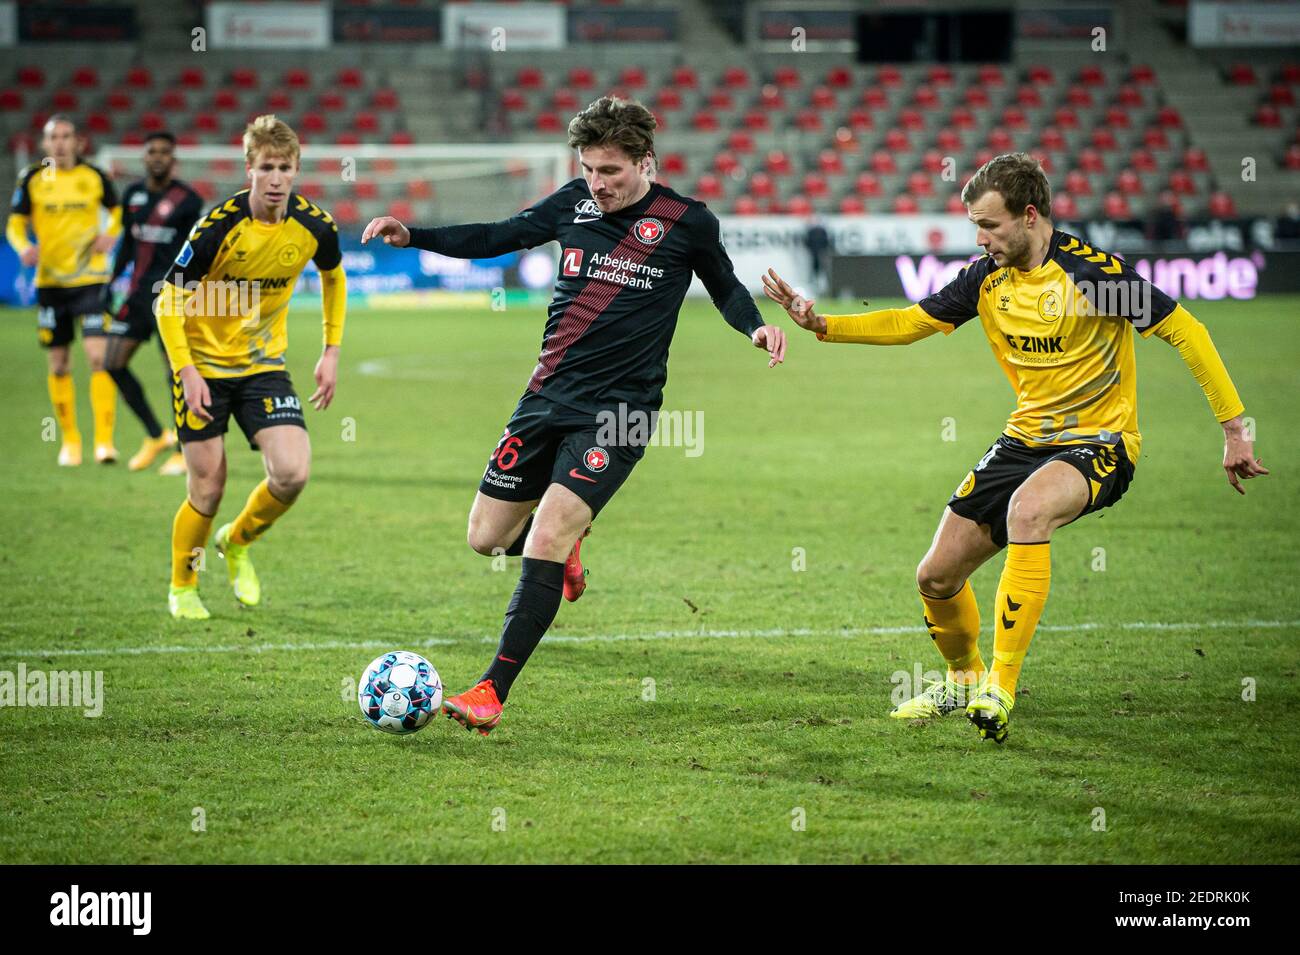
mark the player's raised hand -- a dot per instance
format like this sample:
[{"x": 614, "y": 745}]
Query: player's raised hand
[
  {"x": 389, "y": 229},
  {"x": 197, "y": 396},
  {"x": 796, "y": 306},
  {"x": 1239, "y": 455},
  {"x": 773, "y": 339},
  {"x": 327, "y": 376}
]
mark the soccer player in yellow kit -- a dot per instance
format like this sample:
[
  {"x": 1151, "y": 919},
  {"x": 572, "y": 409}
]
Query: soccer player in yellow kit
[
  {"x": 222, "y": 315},
  {"x": 72, "y": 209},
  {"x": 1060, "y": 317}
]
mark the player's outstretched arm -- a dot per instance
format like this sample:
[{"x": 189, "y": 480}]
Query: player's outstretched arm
[
  {"x": 389, "y": 229},
  {"x": 885, "y": 326},
  {"x": 1192, "y": 339}
]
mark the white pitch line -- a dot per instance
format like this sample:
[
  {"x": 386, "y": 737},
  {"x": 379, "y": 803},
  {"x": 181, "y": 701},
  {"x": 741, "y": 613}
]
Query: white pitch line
[{"x": 844, "y": 633}]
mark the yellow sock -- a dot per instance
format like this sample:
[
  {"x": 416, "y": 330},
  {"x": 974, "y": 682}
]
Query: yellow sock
[
  {"x": 189, "y": 535},
  {"x": 63, "y": 395},
  {"x": 1022, "y": 593},
  {"x": 103, "y": 404},
  {"x": 954, "y": 625},
  {"x": 261, "y": 511}
]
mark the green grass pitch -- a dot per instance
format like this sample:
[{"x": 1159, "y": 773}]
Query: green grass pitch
[{"x": 766, "y": 738}]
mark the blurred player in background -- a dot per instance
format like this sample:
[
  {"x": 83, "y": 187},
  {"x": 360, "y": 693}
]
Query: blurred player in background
[
  {"x": 157, "y": 214},
  {"x": 71, "y": 208},
  {"x": 1060, "y": 318},
  {"x": 630, "y": 249},
  {"x": 223, "y": 315}
]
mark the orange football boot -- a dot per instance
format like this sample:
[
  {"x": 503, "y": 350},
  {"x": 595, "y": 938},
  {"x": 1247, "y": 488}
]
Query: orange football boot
[
  {"x": 575, "y": 578},
  {"x": 476, "y": 709}
]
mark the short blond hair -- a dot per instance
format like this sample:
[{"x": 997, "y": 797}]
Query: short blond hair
[{"x": 270, "y": 133}]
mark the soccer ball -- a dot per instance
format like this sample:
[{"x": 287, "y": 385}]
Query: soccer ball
[{"x": 399, "y": 692}]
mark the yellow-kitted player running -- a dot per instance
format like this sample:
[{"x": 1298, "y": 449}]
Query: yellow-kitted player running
[
  {"x": 222, "y": 314},
  {"x": 72, "y": 209},
  {"x": 1060, "y": 317}
]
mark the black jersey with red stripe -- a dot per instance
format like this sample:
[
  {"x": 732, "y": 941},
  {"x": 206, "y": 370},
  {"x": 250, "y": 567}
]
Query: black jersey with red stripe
[
  {"x": 154, "y": 227},
  {"x": 621, "y": 280}
]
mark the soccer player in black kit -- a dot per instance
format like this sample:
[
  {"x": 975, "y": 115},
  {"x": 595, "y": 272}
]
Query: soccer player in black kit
[
  {"x": 629, "y": 247},
  {"x": 157, "y": 214}
]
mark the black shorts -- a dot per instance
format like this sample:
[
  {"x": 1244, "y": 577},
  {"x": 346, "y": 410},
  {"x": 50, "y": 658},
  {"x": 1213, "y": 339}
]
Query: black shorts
[
  {"x": 135, "y": 319},
  {"x": 546, "y": 443},
  {"x": 986, "y": 492},
  {"x": 257, "y": 402},
  {"x": 60, "y": 310}
]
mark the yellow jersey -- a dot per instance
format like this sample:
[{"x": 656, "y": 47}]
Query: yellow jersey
[
  {"x": 223, "y": 308},
  {"x": 66, "y": 209}
]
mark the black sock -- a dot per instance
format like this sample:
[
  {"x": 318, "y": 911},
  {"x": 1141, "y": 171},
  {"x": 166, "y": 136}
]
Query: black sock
[
  {"x": 531, "y": 610},
  {"x": 517, "y": 548},
  {"x": 129, "y": 387}
]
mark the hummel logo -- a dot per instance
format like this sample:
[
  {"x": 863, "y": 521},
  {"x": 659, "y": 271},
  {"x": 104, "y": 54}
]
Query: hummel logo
[
  {"x": 929, "y": 626},
  {"x": 1009, "y": 624},
  {"x": 1012, "y": 605}
]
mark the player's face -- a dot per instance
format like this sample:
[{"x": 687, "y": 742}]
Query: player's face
[
  {"x": 271, "y": 178},
  {"x": 998, "y": 232},
  {"x": 159, "y": 158},
  {"x": 615, "y": 180},
  {"x": 60, "y": 143}
]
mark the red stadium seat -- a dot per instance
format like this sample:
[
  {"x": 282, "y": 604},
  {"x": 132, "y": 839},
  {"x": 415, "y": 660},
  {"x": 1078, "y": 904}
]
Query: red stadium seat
[
  {"x": 799, "y": 206},
  {"x": 1066, "y": 118},
  {"x": 740, "y": 141},
  {"x": 365, "y": 122},
  {"x": 132, "y": 138},
  {"x": 852, "y": 206},
  {"x": 896, "y": 140},
  {"x": 669, "y": 98},
  {"x": 939, "y": 76},
  {"x": 277, "y": 102},
  {"x": 673, "y": 164},
  {"x": 98, "y": 122},
  {"x": 151, "y": 122},
  {"x": 11, "y": 101},
  {"x": 1092, "y": 76},
  {"x": 1242, "y": 74},
  {"x": 192, "y": 78},
  {"x": 581, "y": 78},
  {"x": 882, "y": 162},
  {"x": 861, "y": 119},
  {"x": 685, "y": 76},
  {"x": 726, "y": 163},
  {"x": 925, "y": 97},
  {"x": 1280, "y": 95},
  {"x": 808, "y": 120},
  {"x": 365, "y": 189},
  {"x": 1079, "y": 96},
  {"x": 839, "y": 77},
  {"x": 787, "y": 77},
  {"x": 401, "y": 210},
  {"x": 633, "y": 77},
  {"x": 771, "y": 97},
  {"x": 823, "y": 97},
  {"x": 347, "y": 138},
  {"x": 1013, "y": 117},
  {"x": 530, "y": 78},
  {"x": 65, "y": 101},
  {"x": 814, "y": 185},
  {"x": 1169, "y": 118},
  {"x": 1103, "y": 139},
  {"x": 1291, "y": 73},
  {"x": 906, "y": 205},
  {"x": 139, "y": 78},
  {"x": 705, "y": 121},
  {"x": 830, "y": 162},
  {"x": 313, "y": 122},
  {"x": 1142, "y": 160},
  {"x": 1143, "y": 74},
  {"x": 961, "y": 118},
  {"x": 204, "y": 188},
  {"x": 565, "y": 99},
  {"x": 949, "y": 140},
  {"x": 297, "y": 79},
  {"x": 720, "y": 99},
  {"x": 1129, "y": 183},
  {"x": 332, "y": 101},
  {"x": 1181, "y": 183},
  {"x": 244, "y": 78},
  {"x": 708, "y": 186},
  {"x": 31, "y": 77},
  {"x": 311, "y": 188},
  {"x": 1029, "y": 97},
  {"x": 954, "y": 205},
  {"x": 920, "y": 184},
  {"x": 345, "y": 212},
  {"x": 401, "y": 137},
  {"x": 977, "y": 97},
  {"x": 746, "y": 206},
  {"x": 1268, "y": 117},
  {"x": 762, "y": 185},
  {"x": 911, "y": 120},
  {"x": 1155, "y": 138},
  {"x": 206, "y": 122},
  {"x": 419, "y": 189},
  {"x": 1115, "y": 206},
  {"x": 513, "y": 101},
  {"x": 1090, "y": 161},
  {"x": 1000, "y": 141},
  {"x": 385, "y": 99},
  {"x": 548, "y": 122},
  {"x": 889, "y": 77},
  {"x": 1195, "y": 160},
  {"x": 1064, "y": 206},
  {"x": 85, "y": 78},
  {"x": 1130, "y": 95},
  {"x": 867, "y": 184},
  {"x": 990, "y": 76},
  {"x": 735, "y": 77},
  {"x": 1292, "y": 158},
  {"x": 1222, "y": 206},
  {"x": 226, "y": 101},
  {"x": 1053, "y": 139},
  {"x": 120, "y": 101},
  {"x": 875, "y": 98},
  {"x": 1040, "y": 75},
  {"x": 778, "y": 163},
  {"x": 1117, "y": 118},
  {"x": 756, "y": 119},
  {"x": 932, "y": 162}
]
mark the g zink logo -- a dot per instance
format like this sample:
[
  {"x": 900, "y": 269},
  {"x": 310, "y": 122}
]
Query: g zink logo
[
  {"x": 586, "y": 211},
  {"x": 103, "y": 908},
  {"x": 649, "y": 231},
  {"x": 596, "y": 459},
  {"x": 571, "y": 263}
]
